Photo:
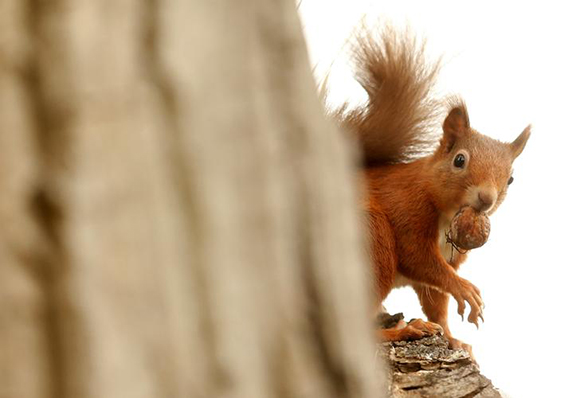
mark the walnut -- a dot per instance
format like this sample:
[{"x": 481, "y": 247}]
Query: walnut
[{"x": 469, "y": 228}]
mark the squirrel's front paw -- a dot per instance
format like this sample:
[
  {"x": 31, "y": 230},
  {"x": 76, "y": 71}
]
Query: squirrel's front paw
[{"x": 467, "y": 291}]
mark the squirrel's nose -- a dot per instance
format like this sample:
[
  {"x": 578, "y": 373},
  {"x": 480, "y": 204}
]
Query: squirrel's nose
[{"x": 487, "y": 199}]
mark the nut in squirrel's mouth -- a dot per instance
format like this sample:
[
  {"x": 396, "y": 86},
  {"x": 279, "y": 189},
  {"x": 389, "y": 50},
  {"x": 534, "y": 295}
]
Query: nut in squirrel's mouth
[
  {"x": 476, "y": 208},
  {"x": 469, "y": 229}
]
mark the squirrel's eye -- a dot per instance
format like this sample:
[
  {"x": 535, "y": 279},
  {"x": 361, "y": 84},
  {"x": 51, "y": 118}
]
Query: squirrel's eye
[
  {"x": 459, "y": 161},
  {"x": 510, "y": 180}
]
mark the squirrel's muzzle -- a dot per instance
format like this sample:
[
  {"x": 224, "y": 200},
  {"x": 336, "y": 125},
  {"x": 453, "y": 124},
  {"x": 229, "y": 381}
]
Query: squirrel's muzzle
[{"x": 486, "y": 198}]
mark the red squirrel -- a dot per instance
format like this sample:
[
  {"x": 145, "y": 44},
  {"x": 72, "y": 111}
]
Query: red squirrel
[{"x": 417, "y": 181}]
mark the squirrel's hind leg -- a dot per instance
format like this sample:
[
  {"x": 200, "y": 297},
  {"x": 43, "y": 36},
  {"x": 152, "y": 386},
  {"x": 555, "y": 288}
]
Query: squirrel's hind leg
[
  {"x": 435, "y": 305},
  {"x": 413, "y": 330}
]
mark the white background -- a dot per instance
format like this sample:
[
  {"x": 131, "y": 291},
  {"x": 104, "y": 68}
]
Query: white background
[{"x": 514, "y": 64}]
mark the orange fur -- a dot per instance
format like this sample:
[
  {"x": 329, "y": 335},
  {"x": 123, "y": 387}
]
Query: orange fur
[{"x": 415, "y": 185}]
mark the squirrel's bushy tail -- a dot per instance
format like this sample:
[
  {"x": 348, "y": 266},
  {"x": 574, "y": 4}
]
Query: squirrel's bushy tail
[{"x": 396, "y": 123}]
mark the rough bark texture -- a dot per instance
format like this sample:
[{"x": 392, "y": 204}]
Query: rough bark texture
[
  {"x": 177, "y": 217},
  {"x": 428, "y": 368}
]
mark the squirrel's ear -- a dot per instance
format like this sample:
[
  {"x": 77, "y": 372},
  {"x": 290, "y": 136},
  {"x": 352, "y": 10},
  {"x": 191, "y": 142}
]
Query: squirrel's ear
[
  {"x": 520, "y": 143},
  {"x": 456, "y": 125}
]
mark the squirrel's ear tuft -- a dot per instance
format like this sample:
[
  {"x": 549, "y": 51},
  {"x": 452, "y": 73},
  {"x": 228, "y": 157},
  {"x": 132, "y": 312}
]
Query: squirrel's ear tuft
[
  {"x": 456, "y": 125},
  {"x": 520, "y": 143}
]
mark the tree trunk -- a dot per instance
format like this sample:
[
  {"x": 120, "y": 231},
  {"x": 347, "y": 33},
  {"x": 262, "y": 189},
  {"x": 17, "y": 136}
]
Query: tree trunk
[{"x": 178, "y": 219}]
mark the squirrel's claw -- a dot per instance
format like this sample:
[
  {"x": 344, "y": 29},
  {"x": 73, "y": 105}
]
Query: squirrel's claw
[
  {"x": 474, "y": 317},
  {"x": 470, "y": 293},
  {"x": 461, "y": 308}
]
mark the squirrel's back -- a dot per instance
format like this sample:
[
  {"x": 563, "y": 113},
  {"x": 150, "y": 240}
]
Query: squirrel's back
[{"x": 395, "y": 124}]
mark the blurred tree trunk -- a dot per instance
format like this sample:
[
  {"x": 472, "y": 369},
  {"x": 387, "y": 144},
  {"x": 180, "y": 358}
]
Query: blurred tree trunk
[{"x": 177, "y": 217}]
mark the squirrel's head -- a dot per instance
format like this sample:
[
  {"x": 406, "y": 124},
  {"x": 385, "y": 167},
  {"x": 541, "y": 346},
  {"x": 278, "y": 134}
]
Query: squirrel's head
[{"x": 473, "y": 169}]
